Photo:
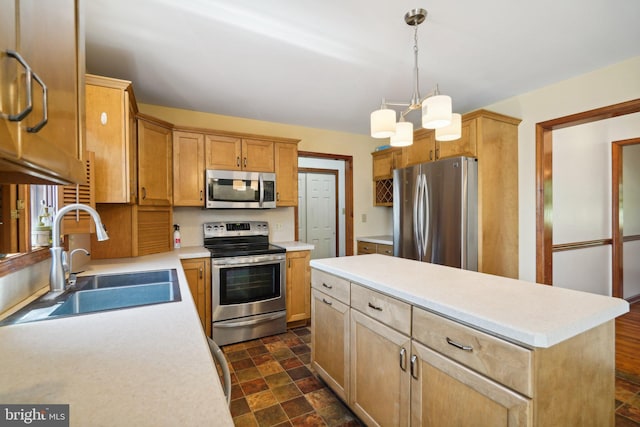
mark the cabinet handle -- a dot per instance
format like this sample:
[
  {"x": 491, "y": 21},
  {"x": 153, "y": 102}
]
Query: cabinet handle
[
  {"x": 28, "y": 73},
  {"x": 45, "y": 106},
  {"x": 277, "y": 196},
  {"x": 375, "y": 307},
  {"x": 245, "y": 162},
  {"x": 458, "y": 345},
  {"x": 201, "y": 195},
  {"x": 238, "y": 161},
  {"x": 144, "y": 193},
  {"x": 200, "y": 270},
  {"x": 327, "y": 286},
  {"x": 289, "y": 264},
  {"x": 437, "y": 153},
  {"x": 414, "y": 366},
  {"x": 403, "y": 359},
  {"x": 327, "y": 302},
  {"x": 430, "y": 154}
]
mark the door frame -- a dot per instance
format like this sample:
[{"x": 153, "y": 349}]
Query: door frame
[
  {"x": 544, "y": 180},
  {"x": 348, "y": 196},
  {"x": 333, "y": 172}
]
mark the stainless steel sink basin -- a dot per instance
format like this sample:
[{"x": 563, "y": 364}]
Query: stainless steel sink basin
[{"x": 104, "y": 292}]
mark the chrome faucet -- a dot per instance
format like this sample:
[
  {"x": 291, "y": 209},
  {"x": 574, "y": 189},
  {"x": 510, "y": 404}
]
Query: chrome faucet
[{"x": 57, "y": 274}]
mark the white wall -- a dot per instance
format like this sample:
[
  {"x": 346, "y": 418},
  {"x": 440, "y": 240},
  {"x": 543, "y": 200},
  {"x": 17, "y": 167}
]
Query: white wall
[{"x": 614, "y": 84}]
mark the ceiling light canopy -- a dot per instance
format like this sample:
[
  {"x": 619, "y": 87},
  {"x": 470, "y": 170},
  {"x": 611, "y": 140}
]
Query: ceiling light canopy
[{"x": 436, "y": 109}]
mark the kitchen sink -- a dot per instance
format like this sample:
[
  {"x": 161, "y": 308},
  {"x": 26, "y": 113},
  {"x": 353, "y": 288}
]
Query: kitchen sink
[{"x": 91, "y": 294}]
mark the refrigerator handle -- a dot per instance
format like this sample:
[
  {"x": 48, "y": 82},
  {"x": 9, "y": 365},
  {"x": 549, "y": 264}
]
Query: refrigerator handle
[
  {"x": 425, "y": 215},
  {"x": 416, "y": 223}
]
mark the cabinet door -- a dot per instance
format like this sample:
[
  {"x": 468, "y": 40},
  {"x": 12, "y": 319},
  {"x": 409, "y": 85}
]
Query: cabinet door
[
  {"x": 286, "y": 168},
  {"x": 154, "y": 230},
  {"x": 422, "y": 150},
  {"x": 444, "y": 393},
  {"x": 380, "y": 379},
  {"x": 155, "y": 164},
  {"x": 298, "y": 286},
  {"x": 384, "y": 249},
  {"x": 199, "y": 278},
  {"x": 383, "y": 164},
  {"x": 9, "y": 81},
  {"x": 464, "y": 146},
  {"x": 188, "y": 169},
  {"x": 49, "y": 41},
  {"x": 257, "y": 155},
  {"x": 78, "y": 221},
  {"x": 223, "y": 152},
  {"x": 366, "y": 248},
  {"x": 107, "y": 124},
  {"x": 330, "y": 342}
]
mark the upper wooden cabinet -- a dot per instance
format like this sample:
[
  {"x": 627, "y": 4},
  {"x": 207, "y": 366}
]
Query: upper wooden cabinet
[
  {"x": 45, "y": 144},
  {"x": 155, "y": 162},
  {"x": 384, "y": 162},
  {"x": 188, "y": 168},
  {"x": 111, "y": 135},
  {"x": 286, "y": 168},
  {"x": 76, "y": 222},
  {"x": 236, "y": 153}
]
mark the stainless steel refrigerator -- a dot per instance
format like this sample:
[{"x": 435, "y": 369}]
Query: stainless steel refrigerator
[{"x": 435, "y": 212}]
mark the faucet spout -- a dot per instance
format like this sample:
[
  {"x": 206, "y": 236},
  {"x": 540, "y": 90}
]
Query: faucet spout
[{"x": 56, "y": 274}]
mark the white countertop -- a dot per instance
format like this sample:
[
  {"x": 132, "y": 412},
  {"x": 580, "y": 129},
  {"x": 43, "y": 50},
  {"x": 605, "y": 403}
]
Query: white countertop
[
  {"x": 144, "y": 366},
  {"x": 381, "y": 240},
  {"x": 295, "y": 246},
  {"x": 528, "y": 313}
]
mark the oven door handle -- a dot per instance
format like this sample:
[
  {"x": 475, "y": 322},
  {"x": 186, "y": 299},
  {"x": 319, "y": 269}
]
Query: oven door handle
[
  {"x": 255, "y": 321},
  {"x": 254, "y": 260}
]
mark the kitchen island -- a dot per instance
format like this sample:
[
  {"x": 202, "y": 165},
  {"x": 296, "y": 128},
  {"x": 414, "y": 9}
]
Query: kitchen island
[
  {"x": 453, "y": 347},
  {"x": 143, "y": 366}
]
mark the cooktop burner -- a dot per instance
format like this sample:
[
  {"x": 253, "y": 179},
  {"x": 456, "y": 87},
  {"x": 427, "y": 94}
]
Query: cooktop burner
[{"x": 229, "y": 239}]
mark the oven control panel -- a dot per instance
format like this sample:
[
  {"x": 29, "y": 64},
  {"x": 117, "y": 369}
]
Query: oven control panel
[{"x": 243, "y": 228}]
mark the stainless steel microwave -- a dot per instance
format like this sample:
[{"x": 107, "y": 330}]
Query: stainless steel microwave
[{"x": 240, "y": 190}]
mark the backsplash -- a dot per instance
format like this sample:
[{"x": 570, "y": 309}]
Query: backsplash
[
  {"x": 17, "y": 286},
  {"x": 281, "y": 222}
]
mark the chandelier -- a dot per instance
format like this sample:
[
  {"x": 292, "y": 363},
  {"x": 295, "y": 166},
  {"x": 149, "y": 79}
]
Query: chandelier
[{"x": 436, "y": 109}]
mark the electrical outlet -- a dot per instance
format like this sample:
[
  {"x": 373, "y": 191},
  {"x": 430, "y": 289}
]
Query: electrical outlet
[
  {"x": 278, "y": 226},
  {"x": 364, "y": 217}
]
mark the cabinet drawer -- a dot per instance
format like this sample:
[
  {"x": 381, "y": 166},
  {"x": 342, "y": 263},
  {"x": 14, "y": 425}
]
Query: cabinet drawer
[
  {"x": 500, "y": 360},
  {"x": 366, "y": 248},
  {"x": 385, "y": 249},
  {"x": 387, "y": 310},
  {"x": 331, "y": 285}
]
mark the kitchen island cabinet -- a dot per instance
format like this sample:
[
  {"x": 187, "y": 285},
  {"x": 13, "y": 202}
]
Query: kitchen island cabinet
[{"x": 520, "y": 353}]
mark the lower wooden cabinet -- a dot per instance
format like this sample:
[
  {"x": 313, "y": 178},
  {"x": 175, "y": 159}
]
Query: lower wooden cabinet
[
  {"x": 198, "y": 272},
  {"x": 445, "y": 393},
  {"x": 330, "y": 341},
  {"x": 365, "y": 247},
  {"x": 298, "y": 291},
  {"x": 379, "y": 374}
]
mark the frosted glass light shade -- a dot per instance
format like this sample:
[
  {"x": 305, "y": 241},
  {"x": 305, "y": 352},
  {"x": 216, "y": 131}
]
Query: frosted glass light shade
[
  {"x": 383, "y": 123},
  {"x": 403, "y": 136},
  {"x": 436, "y": 112},
  {"x": 451, "y": 132}
]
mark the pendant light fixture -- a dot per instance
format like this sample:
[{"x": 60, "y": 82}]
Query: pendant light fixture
[{"x": 436, "y": 108}]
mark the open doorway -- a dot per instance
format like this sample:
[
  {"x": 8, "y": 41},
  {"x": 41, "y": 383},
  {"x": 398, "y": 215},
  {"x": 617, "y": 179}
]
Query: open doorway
[{"x": 328, "y": 171}]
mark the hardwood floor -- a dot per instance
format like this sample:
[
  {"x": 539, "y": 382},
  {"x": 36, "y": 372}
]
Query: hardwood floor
[{"x": 628, "y": 342}]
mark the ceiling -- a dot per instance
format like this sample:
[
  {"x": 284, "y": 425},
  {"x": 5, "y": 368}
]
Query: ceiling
[{"x": 328, "y": 64}]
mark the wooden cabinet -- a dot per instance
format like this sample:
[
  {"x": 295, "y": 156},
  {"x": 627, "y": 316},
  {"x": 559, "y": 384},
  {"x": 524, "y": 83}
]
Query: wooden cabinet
[
  {"x": 384, "y": 162},
  {"x": 155, "y": 162},
  {"x": 365, "y": 247},
  {"x": 45, "y": 144},
  {"x": 379, "y": 378},
  {"x": 237, "y": 153},
  {"x": 76, "y": 222},
  {"x": 286, "y": 168},
  {"x": 330, "y": 331},
  {"x": 111, "y": 134},
  {"x": 298, "y": 291},
  {"x": 423, "y": 149},
  {"x": 188, "y": 169},
  {"x": 444, "y": 392},
  {"x": 133, "y": 230},
  {"x": 198, "y": 273}
]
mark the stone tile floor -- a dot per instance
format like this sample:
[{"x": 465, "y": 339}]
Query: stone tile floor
[{"x": 273, "y": 385}]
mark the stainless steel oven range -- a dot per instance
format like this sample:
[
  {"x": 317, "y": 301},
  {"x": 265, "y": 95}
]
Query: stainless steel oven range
[{"x": 248, "y": 281}]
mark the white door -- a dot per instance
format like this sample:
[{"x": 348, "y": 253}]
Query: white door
[{"x": 318, "y": 213}]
